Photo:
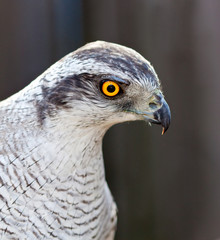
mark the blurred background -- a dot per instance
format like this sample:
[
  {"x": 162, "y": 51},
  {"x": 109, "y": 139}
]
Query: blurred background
[{"x": 166, "y": 187}]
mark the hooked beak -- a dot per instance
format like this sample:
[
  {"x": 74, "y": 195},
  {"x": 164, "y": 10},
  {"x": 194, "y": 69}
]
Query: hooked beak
[{"x": 162, "y": 116}]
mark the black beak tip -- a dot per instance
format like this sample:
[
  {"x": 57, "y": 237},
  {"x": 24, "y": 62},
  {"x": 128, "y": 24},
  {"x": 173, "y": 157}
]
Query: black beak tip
[
  {"x": 163, "y": 116},
  {"x": 165, "y": 126}
]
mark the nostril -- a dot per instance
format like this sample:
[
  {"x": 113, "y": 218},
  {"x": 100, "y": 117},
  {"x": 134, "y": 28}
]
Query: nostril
[{"x": 153, "y": 105}]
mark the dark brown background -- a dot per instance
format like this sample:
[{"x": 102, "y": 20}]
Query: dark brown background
[{"x": 166, "y": 188}]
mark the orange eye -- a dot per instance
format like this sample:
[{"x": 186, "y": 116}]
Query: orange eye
[{"x": 110, "y": 88}]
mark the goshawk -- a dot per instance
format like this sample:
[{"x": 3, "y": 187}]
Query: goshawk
[{"x": 52, "y": 178}]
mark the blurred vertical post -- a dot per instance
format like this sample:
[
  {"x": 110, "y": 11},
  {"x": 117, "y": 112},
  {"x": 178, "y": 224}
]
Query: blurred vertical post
[{"x": 35, "y": 34}]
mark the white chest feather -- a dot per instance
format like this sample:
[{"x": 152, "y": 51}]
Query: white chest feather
[{"x": 52, "y": 186}]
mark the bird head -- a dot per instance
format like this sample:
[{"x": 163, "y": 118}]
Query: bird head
[{"x": 102, "y": 84}]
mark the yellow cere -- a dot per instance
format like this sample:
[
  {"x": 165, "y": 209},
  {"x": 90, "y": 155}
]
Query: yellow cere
[{"x": 110, "y": 88}]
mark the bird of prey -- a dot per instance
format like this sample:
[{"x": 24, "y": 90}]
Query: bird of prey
[{"x": 52, "y": 178}]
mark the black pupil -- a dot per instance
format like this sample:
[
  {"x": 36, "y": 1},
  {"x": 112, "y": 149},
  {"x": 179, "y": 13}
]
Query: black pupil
[{"x": 111, "y": 88}]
